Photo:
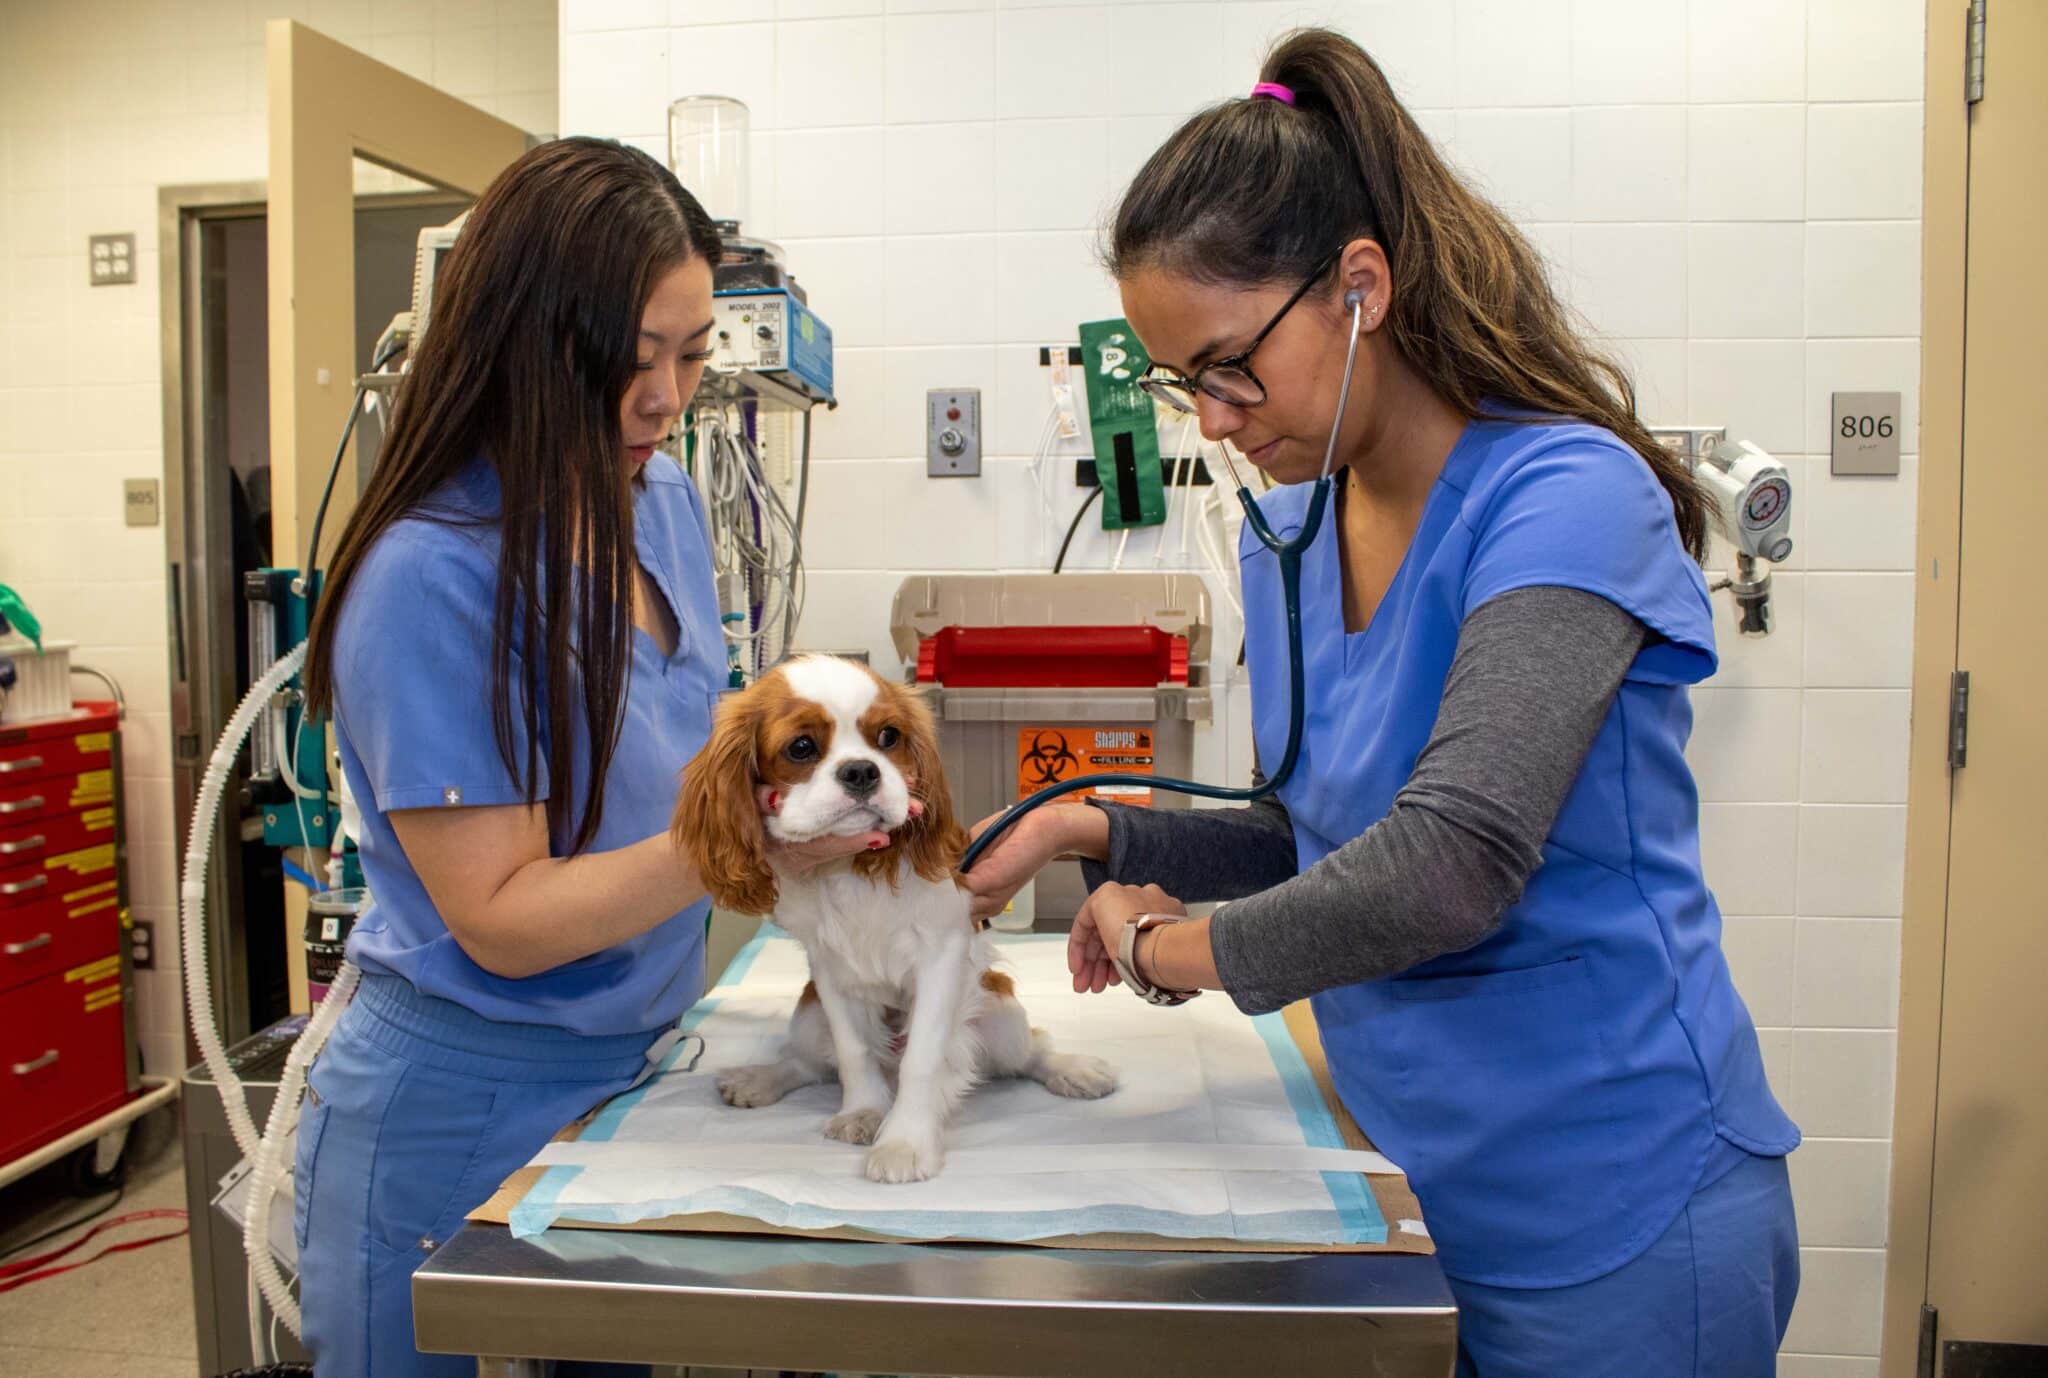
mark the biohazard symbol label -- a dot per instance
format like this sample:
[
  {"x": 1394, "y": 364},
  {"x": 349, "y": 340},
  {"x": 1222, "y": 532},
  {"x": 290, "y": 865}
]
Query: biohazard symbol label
[
  {"x": 1054, "y": 755},
  {"x": 1046, "y": 760}
]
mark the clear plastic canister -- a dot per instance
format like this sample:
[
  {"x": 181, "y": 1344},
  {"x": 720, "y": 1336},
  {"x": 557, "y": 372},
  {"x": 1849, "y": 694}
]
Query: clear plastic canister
[
  {"x": 329, "y": 917},
  {"x": 707, "y": 151}
]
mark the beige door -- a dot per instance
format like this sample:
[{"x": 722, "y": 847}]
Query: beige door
[
  {"x": 330, "y": 106},
  {"x": 1970, "y": 1201}
]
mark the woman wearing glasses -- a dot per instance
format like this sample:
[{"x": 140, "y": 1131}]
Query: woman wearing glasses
[{"x": 1485, "y": 870}]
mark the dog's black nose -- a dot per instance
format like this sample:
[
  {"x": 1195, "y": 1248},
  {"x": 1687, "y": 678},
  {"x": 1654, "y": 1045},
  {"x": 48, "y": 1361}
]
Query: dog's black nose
[{"x": 860, "y": 778}]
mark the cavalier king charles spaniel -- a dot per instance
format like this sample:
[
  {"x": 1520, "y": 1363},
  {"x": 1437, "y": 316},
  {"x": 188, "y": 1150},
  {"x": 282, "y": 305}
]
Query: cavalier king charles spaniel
[{"x": 903, "y": 989}]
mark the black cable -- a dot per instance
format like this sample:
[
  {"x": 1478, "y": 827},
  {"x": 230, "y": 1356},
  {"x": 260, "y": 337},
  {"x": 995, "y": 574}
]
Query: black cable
[
  {"x": 1074, "y": 526},
  {"x": 50, "y": 1234},
  {"x": 355, "y": 412},
  {"x": 803, "y": 490}
]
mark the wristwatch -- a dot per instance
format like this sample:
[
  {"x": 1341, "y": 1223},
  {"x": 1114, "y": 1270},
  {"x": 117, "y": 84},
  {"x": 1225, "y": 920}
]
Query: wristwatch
[{"x": 1127, "y": 961}]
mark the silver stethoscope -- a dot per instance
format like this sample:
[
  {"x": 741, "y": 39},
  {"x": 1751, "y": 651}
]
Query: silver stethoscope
[{"x": 1290, "y": 552}]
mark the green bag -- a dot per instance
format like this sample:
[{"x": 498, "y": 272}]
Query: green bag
[
  {"x": 1121, "y": 418},
  {"x": 15, "y": 614}
]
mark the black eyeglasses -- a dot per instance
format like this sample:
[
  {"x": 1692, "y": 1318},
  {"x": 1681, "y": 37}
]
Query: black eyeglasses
[{"x": 1229, "y": 380}]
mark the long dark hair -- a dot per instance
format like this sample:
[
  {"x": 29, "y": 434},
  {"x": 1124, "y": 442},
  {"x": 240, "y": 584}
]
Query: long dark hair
[
  {"x": 534, "y": 335},
  {"x": 1472, "y": 311}
]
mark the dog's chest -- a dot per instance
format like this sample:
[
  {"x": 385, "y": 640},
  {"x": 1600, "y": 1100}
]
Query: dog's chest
[{"x": 863, "y": 932}]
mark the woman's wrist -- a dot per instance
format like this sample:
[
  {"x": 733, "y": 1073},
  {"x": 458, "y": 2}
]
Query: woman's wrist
[
  {"x": 1176, "y": 956},
  {"x": 1079, "y": 830}
]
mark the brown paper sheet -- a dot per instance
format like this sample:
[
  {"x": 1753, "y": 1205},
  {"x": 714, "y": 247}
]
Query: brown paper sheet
[{"x": 1391, "y": 1191}]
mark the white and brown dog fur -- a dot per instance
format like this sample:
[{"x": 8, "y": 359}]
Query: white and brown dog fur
[{"x": 903, "y": 989}]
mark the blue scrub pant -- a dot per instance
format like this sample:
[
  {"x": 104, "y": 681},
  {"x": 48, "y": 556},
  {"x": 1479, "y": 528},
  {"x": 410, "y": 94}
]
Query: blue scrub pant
[
  {"x": 1710, "y": 1299},
  {"x": 417, "y": 1111}
]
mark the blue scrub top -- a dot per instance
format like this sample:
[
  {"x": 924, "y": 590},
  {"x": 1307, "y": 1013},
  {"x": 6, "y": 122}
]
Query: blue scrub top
[
  {"x": 412, "y": 715},
  {"x": 1557, "y": 1092}
]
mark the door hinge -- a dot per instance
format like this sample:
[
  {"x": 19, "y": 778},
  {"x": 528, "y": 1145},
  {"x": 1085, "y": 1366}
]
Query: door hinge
[
  {"x": 1973, "y": 55},
  {"x": 1958, "y": 719},
  {"x": 1924, "y": 1365}
]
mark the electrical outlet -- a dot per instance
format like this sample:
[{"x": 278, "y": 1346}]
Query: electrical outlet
[
  {"x": 953, "y": 433},
  {"x": 111, "y": 259},
  {"x": 142, "y": 944}
]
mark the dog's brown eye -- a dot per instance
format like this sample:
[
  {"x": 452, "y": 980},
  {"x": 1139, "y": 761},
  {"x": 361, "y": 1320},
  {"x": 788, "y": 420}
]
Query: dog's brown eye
[
  {"x": 802, "y": 749},
  {"x": 887, "y": 738}
]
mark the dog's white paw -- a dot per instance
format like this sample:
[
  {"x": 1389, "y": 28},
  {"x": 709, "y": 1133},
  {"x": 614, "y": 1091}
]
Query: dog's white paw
[
  {"x": 1079, "y": 1076},
  {"x": 854, "y": 1126},
  {"x": 901, "y": 1160},
  {"x": 748, "y": 1087}
]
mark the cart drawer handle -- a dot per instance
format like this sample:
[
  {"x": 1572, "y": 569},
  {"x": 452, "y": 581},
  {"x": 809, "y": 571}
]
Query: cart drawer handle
[
  {"x": 22, "y": 1069},
  {"x": 24, "y": 763},
  {"x": 16, "y": 949},
  {"x": 23, "y": 886},
  {"x": 34, "y": 801},
  {"x": 27, "y": 844}
]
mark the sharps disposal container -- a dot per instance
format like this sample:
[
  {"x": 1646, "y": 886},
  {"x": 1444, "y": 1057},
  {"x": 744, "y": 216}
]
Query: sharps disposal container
[{"x": 1040, "y": 678}]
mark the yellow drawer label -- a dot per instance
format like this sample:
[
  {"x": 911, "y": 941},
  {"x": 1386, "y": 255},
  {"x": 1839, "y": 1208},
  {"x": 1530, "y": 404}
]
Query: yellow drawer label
[
  {"x": 84, "y": 861},
  {"x": 93, "y": 972}
]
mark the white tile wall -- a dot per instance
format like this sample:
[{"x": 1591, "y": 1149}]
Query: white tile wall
[
  {"x": 99, "y": 106},
  {"x": 1850, "y": 859},
  {"x": 1760, "y": 957},
  {"x": 1864, "y": 49},
  {"x": 1629, "y": 281},
  {"x": 1847, "y": 974},
  {"x": 1840, "y": 1292},
  {"x": 1863, "y": 278},
  {"x": 1841, "y": 1186},
  {"x": 1522, "y": 157},
  {"x": 1628, "y": 163},
  {"x": 1748, "y": 162},
  {"x": 1627, "y": 52},
  {"x": 1745, "y": 280},
  {"x": 1859, "y": 631},
  {"x": 1861, "y": 161},
  {"x": 1747, "y": 50},
  {"x": 1855, "y": 746},
  {"x": 1514, "y": 52}
]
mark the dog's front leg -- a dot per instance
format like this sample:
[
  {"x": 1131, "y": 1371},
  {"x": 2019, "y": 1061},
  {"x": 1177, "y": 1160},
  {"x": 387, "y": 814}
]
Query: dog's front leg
[
  {"x": 936, "y": 1070},
  {"x": 864, "y": 1098}
]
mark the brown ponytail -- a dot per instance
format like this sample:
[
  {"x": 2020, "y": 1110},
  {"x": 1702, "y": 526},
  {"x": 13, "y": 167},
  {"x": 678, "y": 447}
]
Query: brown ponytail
[{"x": 1472, "y": 311}]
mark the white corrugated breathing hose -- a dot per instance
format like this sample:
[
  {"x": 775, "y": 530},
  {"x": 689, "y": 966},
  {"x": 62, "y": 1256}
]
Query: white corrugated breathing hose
[{"x": 264, "y": 1153}]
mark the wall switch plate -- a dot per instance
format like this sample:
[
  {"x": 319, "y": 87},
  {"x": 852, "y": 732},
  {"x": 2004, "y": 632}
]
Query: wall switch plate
[
  {"x": 112, "y": 259},
  {"x": 952, "y": 430},
  {"x": 142, "y": 944},
  {"x": 139, "y": 502},
  {"x": 1863, "y": 436}
]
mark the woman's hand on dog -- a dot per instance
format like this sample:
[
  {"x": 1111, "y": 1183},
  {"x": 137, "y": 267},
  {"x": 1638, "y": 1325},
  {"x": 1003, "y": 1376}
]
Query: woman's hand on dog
[
  {"x": 1036, "y": 839},
  {"x": 796, "y": 858}
]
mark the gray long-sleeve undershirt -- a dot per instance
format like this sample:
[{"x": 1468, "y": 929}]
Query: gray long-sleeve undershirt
[{"x": 1529, "y": 685}]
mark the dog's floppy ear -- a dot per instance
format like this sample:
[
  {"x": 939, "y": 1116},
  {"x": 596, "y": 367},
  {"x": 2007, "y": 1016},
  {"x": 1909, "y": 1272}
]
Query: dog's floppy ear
[
  {"x": 932, "y": 842},
  {"x": 718, "y": 821}
]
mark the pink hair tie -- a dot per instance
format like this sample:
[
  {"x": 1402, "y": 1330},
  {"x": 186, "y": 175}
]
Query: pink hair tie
[{"x": 1275, "y": 90}]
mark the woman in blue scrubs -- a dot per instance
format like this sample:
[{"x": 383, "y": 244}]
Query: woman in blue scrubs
[
  {"x": 521, "y": 647},
  {"x": 1484, "y": 872}
]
